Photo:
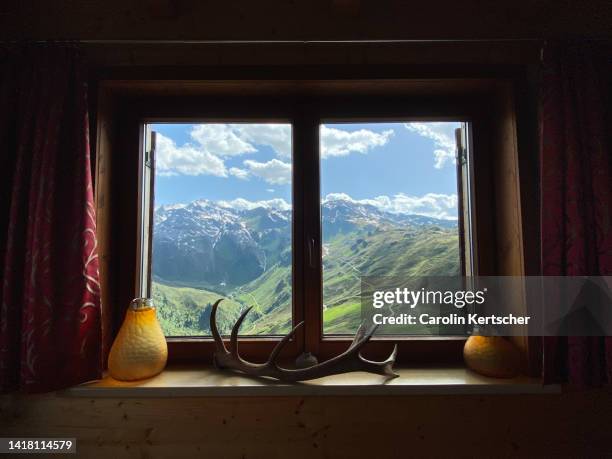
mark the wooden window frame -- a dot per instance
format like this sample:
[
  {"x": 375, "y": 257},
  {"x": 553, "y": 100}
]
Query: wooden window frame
[{"x": 131, "y": 108}]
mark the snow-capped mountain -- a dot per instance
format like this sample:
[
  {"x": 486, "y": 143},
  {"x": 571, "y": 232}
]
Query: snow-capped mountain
[
  {"x": 211, "y": 245},
  {"x": 344, "y": 216},
  {"x": 203, "y": 244}
]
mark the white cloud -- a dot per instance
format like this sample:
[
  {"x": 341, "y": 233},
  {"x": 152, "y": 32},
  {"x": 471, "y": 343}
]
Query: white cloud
[
  {"x": 336, "y": 142},
  {"x": 437, "y": 205},
  {"x": 239, "y": 173},
  {"x": 186, "y": 159},
  {"x": 212, "y": 142},
  {"x": 274, "y": 171},
  {"x": 443, "y": 136},
  {"x": 244, "y": 204},
  {"x": 276, "y": 136},
  {"x": 221, "y": 140},
  {"x": 442, "y": 157}
]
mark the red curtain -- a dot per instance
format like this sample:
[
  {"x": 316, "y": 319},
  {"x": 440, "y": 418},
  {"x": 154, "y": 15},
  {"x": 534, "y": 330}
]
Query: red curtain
[
  {"x": 576, "y": 192},
  {"x": 50, "y": 332}
]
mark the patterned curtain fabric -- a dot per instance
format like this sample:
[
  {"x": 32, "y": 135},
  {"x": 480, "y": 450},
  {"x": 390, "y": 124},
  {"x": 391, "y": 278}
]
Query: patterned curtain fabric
[
  {"x": 576, "y": 192},
  {"x": 50, "y": 335}
]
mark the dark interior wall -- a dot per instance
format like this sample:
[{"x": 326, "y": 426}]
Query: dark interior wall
[
  {"x": 567, "y": 425},
  {"x": 303, "y": 20},
  {"x": 546, "y": 425}
]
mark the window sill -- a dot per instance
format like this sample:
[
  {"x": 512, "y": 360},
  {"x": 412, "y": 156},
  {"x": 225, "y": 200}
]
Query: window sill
[{"x": 183, "y": 381}]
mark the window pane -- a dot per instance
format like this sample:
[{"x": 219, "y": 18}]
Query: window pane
[
  {"x": 389, "y": 207},
  {"x": 222, "y": 226}
]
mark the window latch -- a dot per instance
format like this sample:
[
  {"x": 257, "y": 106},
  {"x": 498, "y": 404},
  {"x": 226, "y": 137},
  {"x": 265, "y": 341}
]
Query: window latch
[{"x": 311, "y": 248}]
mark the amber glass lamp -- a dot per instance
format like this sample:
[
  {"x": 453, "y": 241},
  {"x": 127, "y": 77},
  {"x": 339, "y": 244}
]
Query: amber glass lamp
[{"x": 140, "y": 350}]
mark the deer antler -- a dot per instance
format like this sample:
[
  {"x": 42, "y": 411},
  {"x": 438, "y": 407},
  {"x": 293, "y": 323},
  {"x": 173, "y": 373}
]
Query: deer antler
[{"x": 349, "y": 360}]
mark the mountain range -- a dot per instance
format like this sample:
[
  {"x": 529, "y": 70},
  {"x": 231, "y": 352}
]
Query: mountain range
[{"x": 205, "y": 249}]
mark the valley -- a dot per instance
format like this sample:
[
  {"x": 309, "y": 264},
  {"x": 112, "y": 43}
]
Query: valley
[{"x": 203, "y": 251}]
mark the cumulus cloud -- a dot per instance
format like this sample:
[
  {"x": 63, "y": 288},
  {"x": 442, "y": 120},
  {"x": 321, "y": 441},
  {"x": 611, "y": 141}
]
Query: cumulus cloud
[
  {"x": 274, "y": 171},
  {"x": 276, "y": 136},
  {"x": 337, "y": 142},
  {"x": 221, "y": 140},
  {"x": 245, "y": 204},
  {"x": 239, "y": 173},
  {"x": 437, "y": 205},
  {"x": 443, "y": 136},
  {"x": 210, "y": 143},
  {"x": 186, "y": 159}
]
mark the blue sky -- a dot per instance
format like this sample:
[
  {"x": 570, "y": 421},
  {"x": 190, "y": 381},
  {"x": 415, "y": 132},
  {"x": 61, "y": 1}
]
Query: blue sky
[{"x": 399, "y": 167}]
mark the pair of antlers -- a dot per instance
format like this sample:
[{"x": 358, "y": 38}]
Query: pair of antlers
[{"x": 349, "y": 360}]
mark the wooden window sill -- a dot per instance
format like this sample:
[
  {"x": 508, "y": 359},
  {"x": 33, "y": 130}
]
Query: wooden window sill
[{"x": 191, "y": 381}]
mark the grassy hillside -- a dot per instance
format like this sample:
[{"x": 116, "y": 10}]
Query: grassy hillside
[
  {"x": 270, "y": 296},
  {"x": 392, "y": 252},
  {"x": 185, "y": 311}
]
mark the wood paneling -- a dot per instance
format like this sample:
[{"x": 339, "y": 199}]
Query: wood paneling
[
  {"x": 304, "y": 20},
  {"x": 346, "y": 82},
  {"x": 464, "y": 55},
  {"x": 553, "y": 426},
  {"x": 567, "y": 425}
]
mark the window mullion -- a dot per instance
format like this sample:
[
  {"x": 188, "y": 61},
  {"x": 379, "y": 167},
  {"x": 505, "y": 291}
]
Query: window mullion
[
  {"x": 313, "y": 313},
  {"x": 298, "y": 233}
]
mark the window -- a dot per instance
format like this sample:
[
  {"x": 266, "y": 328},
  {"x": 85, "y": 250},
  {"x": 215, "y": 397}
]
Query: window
[
  {"x": 389, "y": 207},
  {"x": 273, "y": 168},
  {"x": 221, "y": 226},
  {"x": 220, "y": 207}
]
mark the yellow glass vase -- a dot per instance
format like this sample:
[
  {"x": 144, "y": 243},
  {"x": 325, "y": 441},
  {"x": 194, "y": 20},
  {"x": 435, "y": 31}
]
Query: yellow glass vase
[
  {"x": 493, "y": 356},
  {"x": 140, "y": 350}
]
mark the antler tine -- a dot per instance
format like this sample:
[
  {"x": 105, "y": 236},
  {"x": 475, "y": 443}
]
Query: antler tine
[
  {"x": 371, "y": 332},
  {"x": 393, "y": 355},
  {"x": 235, "y": 329},
  {"x": 359, "y": 334},
  {"x": 281, "y": 344},
  {"x": 219, "y": 344},
  {"x": 361, "y": 339},
  {"x": 385, "y": 367}
]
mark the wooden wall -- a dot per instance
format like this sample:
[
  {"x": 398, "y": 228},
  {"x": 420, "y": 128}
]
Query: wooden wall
[
  {"x": 568, "y": 425},
  {"x": 304, "y": 20},
  {"x": 572, "y": 424}
]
